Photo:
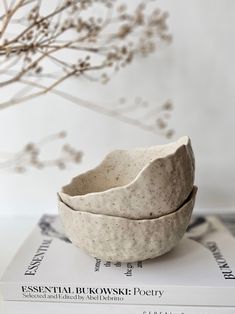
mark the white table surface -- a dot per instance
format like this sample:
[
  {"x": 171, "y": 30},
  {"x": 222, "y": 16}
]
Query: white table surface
[{"x": 13, "y": 231}]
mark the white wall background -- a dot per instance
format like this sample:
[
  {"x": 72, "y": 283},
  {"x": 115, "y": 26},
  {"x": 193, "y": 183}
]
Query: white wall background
[{"x": 196, "y": 72}]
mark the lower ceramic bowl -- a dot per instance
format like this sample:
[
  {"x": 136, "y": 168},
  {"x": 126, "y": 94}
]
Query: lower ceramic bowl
[{"x": 120, "y": 239}]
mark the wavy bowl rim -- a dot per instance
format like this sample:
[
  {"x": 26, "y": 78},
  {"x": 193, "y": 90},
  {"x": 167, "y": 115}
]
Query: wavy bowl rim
[{"x": 123, "y": 187}]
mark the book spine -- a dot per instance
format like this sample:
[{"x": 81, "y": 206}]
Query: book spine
[{"x": 184, "y": 296}]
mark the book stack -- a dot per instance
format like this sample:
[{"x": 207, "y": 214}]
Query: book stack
[{"x": 198, "y": 276}]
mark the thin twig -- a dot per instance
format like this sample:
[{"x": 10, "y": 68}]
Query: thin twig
[{"x": 8, "y": 16}]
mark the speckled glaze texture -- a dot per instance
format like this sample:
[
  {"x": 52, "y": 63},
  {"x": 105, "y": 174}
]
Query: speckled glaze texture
[
  {"x": 126, "y": 240},
  {"x": 138, "y": 184}
]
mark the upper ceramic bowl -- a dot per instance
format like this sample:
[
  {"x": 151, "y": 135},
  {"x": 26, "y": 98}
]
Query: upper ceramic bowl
[
  {"x": 137, "y": 184},
  {"x": 126, "y": 240}
]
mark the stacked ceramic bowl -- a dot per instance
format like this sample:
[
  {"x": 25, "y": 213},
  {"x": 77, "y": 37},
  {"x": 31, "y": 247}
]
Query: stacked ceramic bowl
[{"x": 135, "y": 205}]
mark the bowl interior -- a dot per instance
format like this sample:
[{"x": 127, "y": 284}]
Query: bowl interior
[{"x": 119, "y": 168}]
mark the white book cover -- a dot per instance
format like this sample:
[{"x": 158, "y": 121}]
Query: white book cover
[{"x": 199, "y": 271}]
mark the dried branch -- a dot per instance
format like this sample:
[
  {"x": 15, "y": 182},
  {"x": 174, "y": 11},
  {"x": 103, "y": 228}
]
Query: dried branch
[
  {"x": 103, "y": 42},
  {"x": 29, "y": 156},
  {"x": 43, "y": 44},
  {"x": 158, "y": 116}
]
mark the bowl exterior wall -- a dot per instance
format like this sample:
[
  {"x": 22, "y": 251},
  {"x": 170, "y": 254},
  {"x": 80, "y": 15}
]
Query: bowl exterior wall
[{"x": 126, "y": 240}]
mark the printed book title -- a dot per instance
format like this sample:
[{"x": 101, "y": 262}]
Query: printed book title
[
  {"x": 38, "y": 257},
  {"x": 87, "y": 293}
]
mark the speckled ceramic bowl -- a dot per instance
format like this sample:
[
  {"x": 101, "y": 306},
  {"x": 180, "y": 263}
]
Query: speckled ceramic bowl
[
  {"x": 137, "y": 184},
  {"x": 122, "y": 239}
]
